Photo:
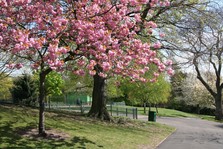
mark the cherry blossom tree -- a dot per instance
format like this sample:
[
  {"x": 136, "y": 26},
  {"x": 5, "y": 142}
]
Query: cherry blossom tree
[
  {"x": 100, "y": 35},
  {"x": 32, "y": 30}
]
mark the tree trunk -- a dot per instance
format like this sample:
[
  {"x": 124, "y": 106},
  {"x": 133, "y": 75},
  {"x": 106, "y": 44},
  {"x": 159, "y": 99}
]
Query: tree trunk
[
  {"x": 42, "y": 77},
  {"x": 198, "y": 109},
  {"x": 156, "y": 108},
  {"x": 144, "y": 105},
  {"x": 98, "y": 108},
  {"x": 49, "y": 102},
  {"x": 218, "y": 104},
  {"x": 149, "y": 107}
]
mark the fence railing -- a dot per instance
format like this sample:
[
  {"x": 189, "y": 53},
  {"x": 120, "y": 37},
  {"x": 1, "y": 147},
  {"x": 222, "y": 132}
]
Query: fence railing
[
  {"x": 113, "y": 109},
  {"x": 123, "y": 111}
]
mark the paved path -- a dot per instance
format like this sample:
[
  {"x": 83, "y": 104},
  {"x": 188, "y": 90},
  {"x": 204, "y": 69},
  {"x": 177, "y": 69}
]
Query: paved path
[{"x": 192, "y": 133}]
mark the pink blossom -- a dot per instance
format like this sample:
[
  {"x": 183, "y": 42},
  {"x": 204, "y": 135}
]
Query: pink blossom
[
  {"x": 1, "y": 39},
  {"x": 169, "y": 62},
  {"x": 170, "y": 71},
  {"x": 132, "y": 2},
  {"x": 3, "y": 3},
  {"x": 91, "y": 65},
  {"x": 156, "y": 74},
  {"x": 167, "y": 3},
  {"x": 137, "y": 17},
  {"x": 63, "y": 50},
  {"x": 157, "y": 45},
  {"x": 106, "y": 66},
  {"x": 35, "y": 66},
  {"x": 152, "y": 80},
  {"x": 18, "y": 66},
  {"x": 120, "y": 65},
  {"x": 10, "y": 66},
  {"x": 81, "y": 62},
  {"x": 124, "y": 1},
  {"x": 162, "y": 35},
  {"x": 103, "y": 75},
  {"x": 92, "y": 72},
  {"x": 79, "y": 72},
  {"x": 146, "y": 68},
  {"x": 156, "y": 61},
  {"x": 162, "y": 67},
  {"x": 152, "y": 24},
  {"x": 111, "y": 53}
]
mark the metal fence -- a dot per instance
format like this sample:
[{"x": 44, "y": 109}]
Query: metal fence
[
  {"x": 84, "y": 108},
  {"x": 123, "y": 111}
]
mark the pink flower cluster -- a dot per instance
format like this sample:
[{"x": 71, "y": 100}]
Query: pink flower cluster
[{"x": 101, "y": 35}]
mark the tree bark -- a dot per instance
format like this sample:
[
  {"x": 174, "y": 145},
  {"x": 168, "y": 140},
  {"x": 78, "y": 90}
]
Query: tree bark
[
  {"x": 42, "y": 77},
  {"x": 144, "y": 105},
  {"x": 218, "y": 104},
  {"x": 98, "y": 108},
  {"x": 217, "y": 95}
]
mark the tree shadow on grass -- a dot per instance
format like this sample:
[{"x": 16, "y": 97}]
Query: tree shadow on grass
[{"x": 18, "y": 138}]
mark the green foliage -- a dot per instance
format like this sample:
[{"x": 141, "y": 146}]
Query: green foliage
[
  {"x": 5, "y": 83},
  {"x": 54, "y": 84},
  {"x": 140, "y": 92},
  {"x": 24, "y": 90},
  {"x": 113, "y": 91},
  {"x": 176, "y": 81},
  {"x": 78, "y": 84}
]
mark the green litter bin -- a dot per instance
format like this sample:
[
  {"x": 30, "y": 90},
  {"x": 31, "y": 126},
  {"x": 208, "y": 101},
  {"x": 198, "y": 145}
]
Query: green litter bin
[{"x": 152, "y": 116}]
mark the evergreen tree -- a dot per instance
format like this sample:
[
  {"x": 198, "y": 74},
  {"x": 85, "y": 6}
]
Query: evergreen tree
[{"x": 24, "y": 90}]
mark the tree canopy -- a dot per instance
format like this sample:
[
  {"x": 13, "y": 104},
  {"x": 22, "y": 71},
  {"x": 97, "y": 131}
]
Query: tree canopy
[{"x": 199, "y": 43}]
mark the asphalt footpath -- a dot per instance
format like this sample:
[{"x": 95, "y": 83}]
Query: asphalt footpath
[{"x": 191, "y": 133}]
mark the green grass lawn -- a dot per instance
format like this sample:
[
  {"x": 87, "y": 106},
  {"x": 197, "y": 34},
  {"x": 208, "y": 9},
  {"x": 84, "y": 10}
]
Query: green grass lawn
[
  {"x": 18, "y": 129},
  {"x": 167, "y": 112},
  {"x": 175, "y": 113},
  {"x": 163, "y": 112}
]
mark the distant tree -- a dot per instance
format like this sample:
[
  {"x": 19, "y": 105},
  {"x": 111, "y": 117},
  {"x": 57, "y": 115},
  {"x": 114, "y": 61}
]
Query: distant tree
[
  {"x": 5, "y": 58},
  {"x": 79, "y": 84},
  {"x": 194, "y": 93},
  {"x": 54, "y": 84},
  {"x": 24, "y": 90},
  {"x": 199, "y": 42},
  {"x": 176, "y": 81},
  {"x": 113, "y": 91},
  {"x": 5, "y": 84},
  {"x": 147, "y": 92}
]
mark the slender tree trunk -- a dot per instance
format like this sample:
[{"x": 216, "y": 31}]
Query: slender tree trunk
[
  {"x": 218, "y": 104},
  {"x": 98, "y": 108},
  {"x": 149, "y": 107},
  {"x": 49, "y": 102},
  {"x": 144, "y": 105},
  {"x": 156, "y": 108},
  {"x": 198, "y": 109},
  {"x": 42, "y": 77}
]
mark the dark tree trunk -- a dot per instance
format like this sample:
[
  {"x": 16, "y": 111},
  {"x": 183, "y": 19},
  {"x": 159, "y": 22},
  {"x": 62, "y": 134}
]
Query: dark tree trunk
[
  {"x": 42, "y": 77},
  {"x": 217, "y": 95},
  {"x": 198, "y": 109},
  {"x": 156, "y": 108},
  {"x": 49, "y": 102},
  {"x": 98, "y": 108},
  {"x": 144, "y": 105},
  {"x": 149, "y": 107},
  {"x": 218, "y": 104}
]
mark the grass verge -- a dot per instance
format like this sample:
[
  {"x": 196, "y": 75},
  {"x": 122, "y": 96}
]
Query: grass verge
[
  {"x": 175, "y": 113},
  {"x": 165, "y": 112},
  {"x": 18, "y": 129}
]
